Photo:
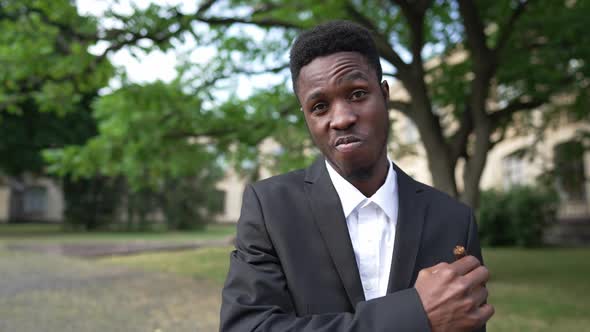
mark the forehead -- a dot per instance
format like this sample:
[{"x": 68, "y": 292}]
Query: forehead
[{"x": 334, "y": 68}]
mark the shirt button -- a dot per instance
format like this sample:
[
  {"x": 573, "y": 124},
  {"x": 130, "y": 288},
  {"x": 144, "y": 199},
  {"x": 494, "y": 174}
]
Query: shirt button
[{"x": 369, "y": 286}]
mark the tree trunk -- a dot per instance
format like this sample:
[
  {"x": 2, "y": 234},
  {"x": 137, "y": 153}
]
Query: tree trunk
[
  {"x": 474, "y": 167},
  {"x": 440, "y": 163},
  {"x": 438, "y": 155},
  {"x": 441, "y": 168},
  {"x": 475, "y": 163}
]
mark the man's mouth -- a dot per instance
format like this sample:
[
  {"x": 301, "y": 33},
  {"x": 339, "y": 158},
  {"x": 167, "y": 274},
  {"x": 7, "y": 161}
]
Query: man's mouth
[{"x": 347, "y": 143}]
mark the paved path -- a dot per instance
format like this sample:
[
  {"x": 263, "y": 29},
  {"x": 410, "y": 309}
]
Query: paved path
[
  {"x": 97, "y": 249},
  {"x": 48, "y": 292}
]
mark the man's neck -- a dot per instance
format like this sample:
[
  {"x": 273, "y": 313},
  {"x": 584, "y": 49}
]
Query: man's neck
[{"x": 369, "y": 186}]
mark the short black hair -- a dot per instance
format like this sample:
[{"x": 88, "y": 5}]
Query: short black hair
[{"x": 329, "y": 38}]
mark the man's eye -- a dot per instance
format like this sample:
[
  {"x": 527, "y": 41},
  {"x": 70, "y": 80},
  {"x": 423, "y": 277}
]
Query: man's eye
[
  {"x": 358, "y": 94},
  {"x": 320, "y": 107}
]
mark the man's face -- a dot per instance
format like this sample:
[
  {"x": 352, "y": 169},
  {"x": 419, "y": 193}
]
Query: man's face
[{"x": 345, "y": 110}]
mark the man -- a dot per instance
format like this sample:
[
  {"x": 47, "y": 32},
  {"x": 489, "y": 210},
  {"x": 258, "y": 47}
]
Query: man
[{"x": 351, "y": 243}]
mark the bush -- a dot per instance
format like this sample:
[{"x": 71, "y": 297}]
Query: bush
[
  {"x": 517, "y": 217},
  {"x": 91, "y": 204}
]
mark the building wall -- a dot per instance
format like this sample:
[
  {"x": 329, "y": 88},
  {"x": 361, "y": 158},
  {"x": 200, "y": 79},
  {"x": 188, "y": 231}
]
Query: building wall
[
  {"x": 495, "y": 174},
  {"x": 233, "y": 186},
  {"x": 55, "y": 200},
  {"x": 51, "y": 199},
  {"x": 4, "y": 204}
]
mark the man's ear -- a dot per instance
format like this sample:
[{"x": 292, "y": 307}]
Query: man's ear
[{"x": 385, "y": 90}]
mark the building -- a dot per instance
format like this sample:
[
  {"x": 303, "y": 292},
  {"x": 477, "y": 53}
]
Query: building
[
  {"x": 511, "y": 162},
  {"x": 30, "y": 198}
]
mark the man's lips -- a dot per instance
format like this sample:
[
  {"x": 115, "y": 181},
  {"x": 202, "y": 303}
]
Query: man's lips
[{"x": 347, "y": 143}]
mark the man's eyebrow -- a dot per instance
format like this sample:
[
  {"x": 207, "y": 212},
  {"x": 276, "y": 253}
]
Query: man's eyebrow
[
  {"x": 313, "y": 96},
  {"x": 355, "y": 75}
]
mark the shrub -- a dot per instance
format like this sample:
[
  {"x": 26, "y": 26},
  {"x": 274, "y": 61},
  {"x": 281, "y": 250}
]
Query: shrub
[
  {"x": 516, "y": 217},
  {"x": 91, "y": 204}
]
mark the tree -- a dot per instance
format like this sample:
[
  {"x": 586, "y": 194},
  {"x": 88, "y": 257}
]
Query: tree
[
  {"x": 520, "y": 55},
  {"x": 49, "y": 82}
]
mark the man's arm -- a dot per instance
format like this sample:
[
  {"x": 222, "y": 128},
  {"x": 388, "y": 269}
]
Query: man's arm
[
  {"x": 256, "y": 296},
  {"x": 454, "y": 295}
]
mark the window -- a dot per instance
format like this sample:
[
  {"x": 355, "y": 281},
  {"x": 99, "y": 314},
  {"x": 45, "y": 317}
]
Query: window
[
  {"x": 569, "y": 171},
  {"x": 35, "y": 201},
  {"x": 514, "y": 166}
]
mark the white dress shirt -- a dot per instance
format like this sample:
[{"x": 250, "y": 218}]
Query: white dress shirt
[{"x": 371, "y": 225}]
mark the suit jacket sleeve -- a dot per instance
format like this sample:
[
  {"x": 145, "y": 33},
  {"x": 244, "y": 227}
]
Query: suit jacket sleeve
[{"x": 256, "y": 296}]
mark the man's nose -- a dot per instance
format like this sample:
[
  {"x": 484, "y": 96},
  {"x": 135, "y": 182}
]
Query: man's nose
[{"x": 343, "y": 116}]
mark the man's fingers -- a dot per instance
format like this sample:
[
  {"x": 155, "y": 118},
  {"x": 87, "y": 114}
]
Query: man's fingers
[
  {"x": 479, "y": 296},
  {"x": 465, "y": 265},
  {"x": 480, "y": 316},
  {"x": 485, "y": 312},
  {"x": 478, "y": 276}
]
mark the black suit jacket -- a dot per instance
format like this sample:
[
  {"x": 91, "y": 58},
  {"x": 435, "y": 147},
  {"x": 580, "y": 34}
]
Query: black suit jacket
[{"x": 294, "y": 267}]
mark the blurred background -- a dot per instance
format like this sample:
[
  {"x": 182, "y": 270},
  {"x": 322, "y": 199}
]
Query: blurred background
[{"x": 128, "y": 130}]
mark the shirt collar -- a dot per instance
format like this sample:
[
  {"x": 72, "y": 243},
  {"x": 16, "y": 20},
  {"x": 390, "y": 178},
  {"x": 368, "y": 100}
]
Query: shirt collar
[{"x": 351, "y": 197}]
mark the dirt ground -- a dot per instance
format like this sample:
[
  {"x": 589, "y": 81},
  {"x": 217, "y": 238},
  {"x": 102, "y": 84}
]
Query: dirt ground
[{"x": 51, "y": 292}]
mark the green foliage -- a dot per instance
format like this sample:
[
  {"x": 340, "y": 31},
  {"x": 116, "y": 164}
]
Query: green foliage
[
  {"x": 517, "y": 217},
  {"x": 137, "y": 128},
  {"x": 23, "y": 137},
  {"x": 92, "y": 203},
  {"x": 44, "y": 57},
  {"x": 48, "y": 79},
  {"x": 157, "y": 134}
]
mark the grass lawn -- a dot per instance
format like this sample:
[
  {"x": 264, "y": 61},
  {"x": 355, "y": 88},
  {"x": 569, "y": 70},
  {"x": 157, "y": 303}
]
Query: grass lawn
[
  {"x": 539, "y": 290},
  {"x": 532, "y": 290},
  {"x": 209, "y": 264},
  {"x": 52, "y": 233}
]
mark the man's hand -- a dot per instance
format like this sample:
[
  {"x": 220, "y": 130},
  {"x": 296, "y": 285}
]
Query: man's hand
[{"x": 454, "y": 295}]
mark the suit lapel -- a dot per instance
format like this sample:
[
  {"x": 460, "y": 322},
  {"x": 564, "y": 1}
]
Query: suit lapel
[
  {"x": 410, "y": 220},
  {"x": 328, "y": 215}
]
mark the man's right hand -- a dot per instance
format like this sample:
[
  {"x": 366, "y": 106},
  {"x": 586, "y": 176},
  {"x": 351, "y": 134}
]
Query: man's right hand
[{"x": 454, "y": 295}]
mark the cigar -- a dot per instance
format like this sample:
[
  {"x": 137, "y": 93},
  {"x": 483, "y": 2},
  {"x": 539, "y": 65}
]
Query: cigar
[{"x": 459, "y": 252}]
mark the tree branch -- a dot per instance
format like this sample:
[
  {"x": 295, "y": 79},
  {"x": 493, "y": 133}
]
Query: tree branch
[
  {"x": 383, "y": 46},
  {"x": 507, "y": 29},
  {"x": 399, "y": 105},
  {"x": 474, "y": 29},
  {"x": 263, "y": 22},
  {"x": 264, "y": 71},
  {"x": 499, "y": 139},
  {"x": 513, "y": 107},
  {"x": 204, "y": 7},
  {"x": 394, "y": 75},
  {"x": 458, "y": 142},
  {"x": 225, "y": 129},
  {"x": 130, "y": 38},
  {"x": 414, "y": 13},
  {"x": 63, "y": 28}
]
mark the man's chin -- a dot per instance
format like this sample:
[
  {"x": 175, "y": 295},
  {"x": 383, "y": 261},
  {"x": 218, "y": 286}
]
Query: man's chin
[
  {"x": 359, "y": 174},
  {"x": 354, "y": 170}
]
